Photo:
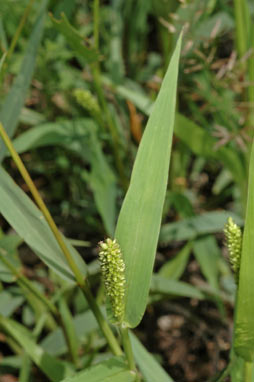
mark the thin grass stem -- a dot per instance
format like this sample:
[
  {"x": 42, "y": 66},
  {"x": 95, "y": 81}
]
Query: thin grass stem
[{"x": 128, "y": 348}]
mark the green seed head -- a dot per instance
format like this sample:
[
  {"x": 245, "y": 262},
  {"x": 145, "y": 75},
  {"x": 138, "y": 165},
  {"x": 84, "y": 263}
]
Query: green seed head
[
  {"x": 233, "y": 235},
  {"x": 112, "y": 267},
  {"x": 87, "y": 100}
]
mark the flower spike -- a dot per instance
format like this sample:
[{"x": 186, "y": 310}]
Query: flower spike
[
  {"x": 233, "y": 235},
  {"x": 112, "y": 267}
]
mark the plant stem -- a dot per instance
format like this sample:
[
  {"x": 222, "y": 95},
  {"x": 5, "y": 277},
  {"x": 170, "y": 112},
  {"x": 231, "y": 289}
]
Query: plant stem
[
  {"x": 101, "y": 321},
  {"x": 248, "y": 370},
  {"x": 241, "y": 33},
  {"x": 128, "y": 348},
  {"x": 78, "y": 275}
]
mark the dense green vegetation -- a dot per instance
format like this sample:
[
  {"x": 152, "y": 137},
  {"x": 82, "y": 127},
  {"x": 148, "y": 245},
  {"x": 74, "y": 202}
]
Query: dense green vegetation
[{"x": 129, "y": 120}]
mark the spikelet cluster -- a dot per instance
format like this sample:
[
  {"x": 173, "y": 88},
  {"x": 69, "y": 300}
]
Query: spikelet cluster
[
  {"x": 233, "y": 235},
  {"x": 87, "y": 100},
  {"x": 112, "y": 267}
]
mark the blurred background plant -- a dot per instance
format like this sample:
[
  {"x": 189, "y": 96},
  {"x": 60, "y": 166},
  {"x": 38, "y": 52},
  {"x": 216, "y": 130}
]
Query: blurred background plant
[{"x": 76, "y": 91}]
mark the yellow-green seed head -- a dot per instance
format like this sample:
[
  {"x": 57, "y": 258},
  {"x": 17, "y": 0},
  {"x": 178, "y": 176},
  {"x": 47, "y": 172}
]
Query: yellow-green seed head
[
  {"x": 87, "y": 100},
  {"x": 233, "y": 235},
  {"x": 113, "y": 267}
]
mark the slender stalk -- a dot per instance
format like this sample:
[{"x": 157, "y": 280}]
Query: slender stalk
[
  {"x": 128, "y": 348},
  {"x": 251, "y": 81},
  {"x": 25, "y": 368},
  {"x": 248, "y": 370},
  {"x": 101, "y": 321},
  {"x": 241, "y": 33},
  {"x": 116, "y": 349}
]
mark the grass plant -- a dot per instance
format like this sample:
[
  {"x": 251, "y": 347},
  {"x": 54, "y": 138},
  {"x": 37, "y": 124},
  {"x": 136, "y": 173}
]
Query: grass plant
[{"x": 133, "y": 144}]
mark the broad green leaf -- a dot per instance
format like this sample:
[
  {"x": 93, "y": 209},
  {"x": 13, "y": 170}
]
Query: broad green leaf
[
  {"x": 112, "y": 370},
  {"x": 149, "y": 367},
  {"x": 79, "y": 136},
  {"x": 30, "y": 224},
  {"x": 176, "y": 288},
  {"x": 75, "y": 40},
  {"x": 11, "y": 108},
  {"x": 54, "y": 369},
  {"x": 140, "y": 216},
  {"x": 187, "y": 229},
  {"x": 244, "y": 329},
  {"x": 173, "y": 269}
]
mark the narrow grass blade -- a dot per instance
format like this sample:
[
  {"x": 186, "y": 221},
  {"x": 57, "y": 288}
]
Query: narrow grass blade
[
  {"x": 244, "y": 330},
  {"x": 190, "y": 228},
  {"x": 140, "y": 217},
  {"x": 149, "y": 367},
  {"x": 29, "y": 223},
  {"x": 173, "y": 269},
  {"x": 75, "y": 40},
  {"x": 11, "y": 108},
  {"x": 176, "y": 288},
  {"x": 55, "y": 370}
]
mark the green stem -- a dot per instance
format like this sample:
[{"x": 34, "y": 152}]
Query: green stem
[
  {"x": 248, "y": 370},
  {"x": 128, "y": 348},
  {"x": 78, "y": 275},
  {"x": 241, "y": 35},
  {"x": 101, "y": 321},
  {"x": 25, "y": 369}
]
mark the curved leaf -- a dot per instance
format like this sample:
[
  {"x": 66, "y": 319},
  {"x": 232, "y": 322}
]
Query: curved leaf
[{"x": 140, "y": 216}]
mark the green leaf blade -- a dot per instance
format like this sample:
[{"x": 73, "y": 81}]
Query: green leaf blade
[
  {"x": 139, "y": 221},
  {"x": 244, "y": 330},
  {"x": 30, "y": 224},
  {"x": 113, "y": 370}
]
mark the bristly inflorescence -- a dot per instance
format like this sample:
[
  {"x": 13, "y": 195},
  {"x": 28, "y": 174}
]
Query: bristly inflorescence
[
  {"x": 233, "y": 235},
  {"x": 87, "y": 100},
  {"x": 113, "y": 267}
]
